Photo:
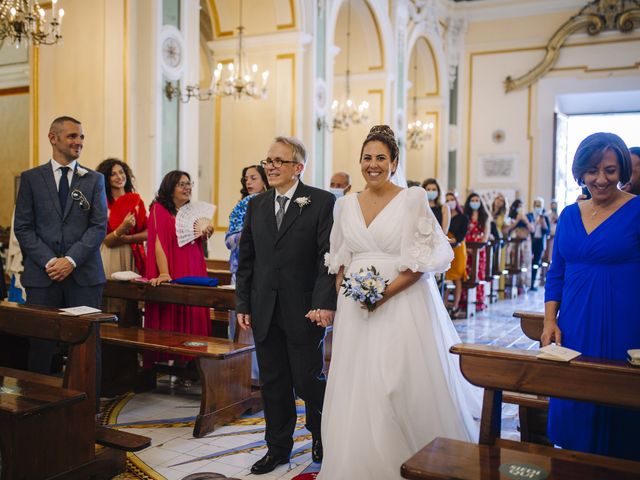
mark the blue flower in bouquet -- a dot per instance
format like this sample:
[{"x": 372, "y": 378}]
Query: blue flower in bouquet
[{"x": 366, "y": 286}]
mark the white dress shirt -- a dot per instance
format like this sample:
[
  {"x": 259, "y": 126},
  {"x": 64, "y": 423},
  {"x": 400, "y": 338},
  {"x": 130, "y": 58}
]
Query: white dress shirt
[
  {"x": 289, "y": 194},
  {"x": 57, "y": 173}
]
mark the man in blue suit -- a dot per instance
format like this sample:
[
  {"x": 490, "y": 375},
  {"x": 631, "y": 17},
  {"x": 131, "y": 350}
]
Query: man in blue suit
[{"x": 60, "y": 222}]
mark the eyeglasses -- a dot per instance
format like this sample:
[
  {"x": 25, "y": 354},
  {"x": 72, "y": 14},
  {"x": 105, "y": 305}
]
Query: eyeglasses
[
  {"x": 186, "y": 184},
  {"x": 277, "y": 163},
  {"x": 79, "y": 197}
]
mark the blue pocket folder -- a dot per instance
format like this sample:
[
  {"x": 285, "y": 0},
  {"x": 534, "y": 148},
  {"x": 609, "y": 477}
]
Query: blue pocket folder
[{"x": 199, "y": 281}]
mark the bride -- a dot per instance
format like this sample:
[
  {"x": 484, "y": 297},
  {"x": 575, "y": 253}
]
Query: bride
[{"x": 393, "y": 385}]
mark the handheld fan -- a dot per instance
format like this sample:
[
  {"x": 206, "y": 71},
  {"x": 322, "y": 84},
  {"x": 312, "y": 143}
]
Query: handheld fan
[{"x": 192, "y": 219}]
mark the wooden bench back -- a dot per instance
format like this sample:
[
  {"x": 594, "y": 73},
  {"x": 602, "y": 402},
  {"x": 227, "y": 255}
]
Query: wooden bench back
[
  {"x": 473, "y": 251},
  {"x": 584, "y": 379},
  {"x": 514, "y": 260},
  {"x": 531, "y": 323},
  {"x": 80, "y": 333}
]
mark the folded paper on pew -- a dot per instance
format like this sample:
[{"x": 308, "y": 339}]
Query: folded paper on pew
[
  {"x": 125, "y": 275},
  {"x": 634, "y": 356},
  {"x": 557, "y": 353},
  {"x": 76, "y": 311}
]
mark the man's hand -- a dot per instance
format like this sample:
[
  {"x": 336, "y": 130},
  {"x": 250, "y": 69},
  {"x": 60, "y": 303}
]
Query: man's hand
[
  {"x": 244, "y": 320},
  {"x": 323, "y": 318},
  {"x": 59, "y": 269}
]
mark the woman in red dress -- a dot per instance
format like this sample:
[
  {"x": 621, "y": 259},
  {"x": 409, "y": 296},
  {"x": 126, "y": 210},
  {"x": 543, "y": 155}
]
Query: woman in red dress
[
  {"x": 123, "y": 247},
  {"x": 167, "y": 261},
  {"x": 479, "y": 230}
]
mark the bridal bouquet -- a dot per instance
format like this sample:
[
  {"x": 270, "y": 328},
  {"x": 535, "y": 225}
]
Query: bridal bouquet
[{"x": 366, "y": 286}]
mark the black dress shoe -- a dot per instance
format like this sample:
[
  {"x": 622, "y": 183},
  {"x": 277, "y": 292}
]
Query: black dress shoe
[
  {"x": 268, "y": 463},
  {"x": 316, "y": 450}
]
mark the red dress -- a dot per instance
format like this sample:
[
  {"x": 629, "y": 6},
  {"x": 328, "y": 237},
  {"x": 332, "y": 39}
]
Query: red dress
[
  {"x": 475, "y": 233},
  {"x": 183, "y": 261}
]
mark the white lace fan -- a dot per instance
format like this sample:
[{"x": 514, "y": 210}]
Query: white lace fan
[{"x": 192, "y": 219}]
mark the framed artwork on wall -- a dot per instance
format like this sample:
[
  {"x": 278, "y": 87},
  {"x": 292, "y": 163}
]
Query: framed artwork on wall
[{"x": 497, "y": 168}]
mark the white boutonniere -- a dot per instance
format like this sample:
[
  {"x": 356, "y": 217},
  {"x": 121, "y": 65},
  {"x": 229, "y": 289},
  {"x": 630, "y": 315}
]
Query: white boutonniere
[
  {"x": 81, "y": 172},
  {"x": 302, "y": 202}
]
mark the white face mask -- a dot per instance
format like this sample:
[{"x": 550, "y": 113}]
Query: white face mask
[
  {"x": 432, "y": 195},
  {"x": 452, "y": 204},
  {"x": 337, "y": 192},
  {"x": 537, "y": 210},
  {"x": 474, "y": 205}
]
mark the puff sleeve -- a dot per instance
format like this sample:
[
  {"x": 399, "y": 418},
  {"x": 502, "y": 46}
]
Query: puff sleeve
[
  {"x": 338, "y": 255},
  {"x": 424, "y": 246}
]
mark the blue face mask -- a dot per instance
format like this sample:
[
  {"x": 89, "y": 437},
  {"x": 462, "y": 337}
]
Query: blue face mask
[
  {"x": 432, "y": 195},
  {"x": 337, "y": 192},
  {"x": 537, "y": 210},
  {"x": 474, "y": 205}
]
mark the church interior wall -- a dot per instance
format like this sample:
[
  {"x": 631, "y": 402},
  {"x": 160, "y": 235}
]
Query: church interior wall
[
  {"x": 511, "y": 47},
  {"x": 107, "y": 73}
]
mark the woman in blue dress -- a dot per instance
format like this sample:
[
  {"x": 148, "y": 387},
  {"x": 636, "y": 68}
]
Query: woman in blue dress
[
  {"x": 591, "y": 293},
  {"x": 254, "y": 181}
]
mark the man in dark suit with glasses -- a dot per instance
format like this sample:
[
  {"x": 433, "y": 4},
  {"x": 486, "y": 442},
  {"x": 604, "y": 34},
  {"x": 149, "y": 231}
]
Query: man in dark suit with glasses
[
  {"x": 60, "y": 222},
  {"x": 286, "y": 295}
]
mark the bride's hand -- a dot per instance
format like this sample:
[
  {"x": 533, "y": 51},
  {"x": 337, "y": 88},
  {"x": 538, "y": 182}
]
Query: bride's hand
[{"x": 321, "y": 317}]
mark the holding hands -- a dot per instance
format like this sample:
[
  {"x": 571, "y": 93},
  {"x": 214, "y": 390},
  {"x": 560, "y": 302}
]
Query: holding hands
[{"x": 321, "y": 317}]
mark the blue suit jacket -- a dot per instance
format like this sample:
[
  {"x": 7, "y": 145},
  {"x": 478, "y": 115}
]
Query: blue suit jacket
[{"x": 44, "y": 231}]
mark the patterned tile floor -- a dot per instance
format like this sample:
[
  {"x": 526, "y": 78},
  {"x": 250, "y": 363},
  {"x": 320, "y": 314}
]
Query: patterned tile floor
[{"x": 166, "y": 415}]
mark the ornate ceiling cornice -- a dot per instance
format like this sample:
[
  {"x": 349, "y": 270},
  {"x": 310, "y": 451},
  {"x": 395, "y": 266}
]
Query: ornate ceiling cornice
[{"x": 595, "y": 17}]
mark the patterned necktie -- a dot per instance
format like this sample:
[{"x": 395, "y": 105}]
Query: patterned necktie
[
  {"x": 63, "y": 187},
  {"x": 282, "y": 201}
]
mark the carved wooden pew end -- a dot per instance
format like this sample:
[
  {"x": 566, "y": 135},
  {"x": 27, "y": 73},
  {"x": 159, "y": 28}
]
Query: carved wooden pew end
[{"x": 500, "y": 369}]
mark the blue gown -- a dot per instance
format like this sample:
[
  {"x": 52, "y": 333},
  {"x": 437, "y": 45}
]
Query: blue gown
[{"x": 595, "y": 277}]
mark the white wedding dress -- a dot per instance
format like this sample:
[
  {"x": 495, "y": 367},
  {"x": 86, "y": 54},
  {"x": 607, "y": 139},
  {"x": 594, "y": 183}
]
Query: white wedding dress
[{"x": 393, "y": 385}]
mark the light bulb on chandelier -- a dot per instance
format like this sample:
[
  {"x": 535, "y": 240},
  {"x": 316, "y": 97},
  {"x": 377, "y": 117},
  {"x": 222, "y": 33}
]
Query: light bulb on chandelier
[
  {"x": 417, "y": 131},
  {"x": 24, "y": 22},
  {"x": 241, "y": 79},
  {"x": 346, "y": 113}
]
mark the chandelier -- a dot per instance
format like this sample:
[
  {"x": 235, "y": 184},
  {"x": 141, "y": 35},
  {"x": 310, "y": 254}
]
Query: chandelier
[
  {"x": 241, "y": 80},
  {"x": 347, "y": 112},
  {"x": 417, "y": 131},
  {"x": 23, "y": 22}
]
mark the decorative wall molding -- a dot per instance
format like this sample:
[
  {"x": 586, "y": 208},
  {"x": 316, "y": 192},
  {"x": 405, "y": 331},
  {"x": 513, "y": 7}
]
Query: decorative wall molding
[
  {"x": 455, "y": 45},
  {"x": 597, "y": 16}
]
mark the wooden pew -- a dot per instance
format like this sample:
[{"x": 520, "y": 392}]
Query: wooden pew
[
  {"x": 471, "y": 284},
  {"x": 531, "y": 323},
  {"x": 48, "y": 423},
  {"x": 215, "y": 264},
  {"x": 219, "y": 269},
  {"x": 499, "y": 369},
  {"x": 514, "y": 265},
  {"x": 223, "y": 366}
]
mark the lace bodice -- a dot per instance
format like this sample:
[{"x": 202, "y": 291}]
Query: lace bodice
[{"x": 406, "y": 228}]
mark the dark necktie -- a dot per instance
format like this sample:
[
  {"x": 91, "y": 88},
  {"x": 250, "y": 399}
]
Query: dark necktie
[
  {"x": 282, "y": 201},
  {"x": 63, "y": 188}
]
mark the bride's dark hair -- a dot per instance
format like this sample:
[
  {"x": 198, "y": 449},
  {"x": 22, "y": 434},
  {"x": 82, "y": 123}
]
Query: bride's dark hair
[{"x": 384, "y": 134}]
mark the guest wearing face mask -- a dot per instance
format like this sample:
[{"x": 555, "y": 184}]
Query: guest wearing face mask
[
  {"x": 440, "y": 211},
  {"x": 542, "y": 227},
  {"x": 517, "y": 225},
  {"x": 553, "y": 222},
  {"x": 340, "y": 184},
  {"x": 457, "y": 232},
  {"x": 479, "y": 229}
]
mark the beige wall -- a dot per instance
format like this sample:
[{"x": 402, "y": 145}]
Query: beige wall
[
  {"x": 84, "y": 77},
  {"x": 512, "y": 46},
  {"x": 14, "y": 154}
]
